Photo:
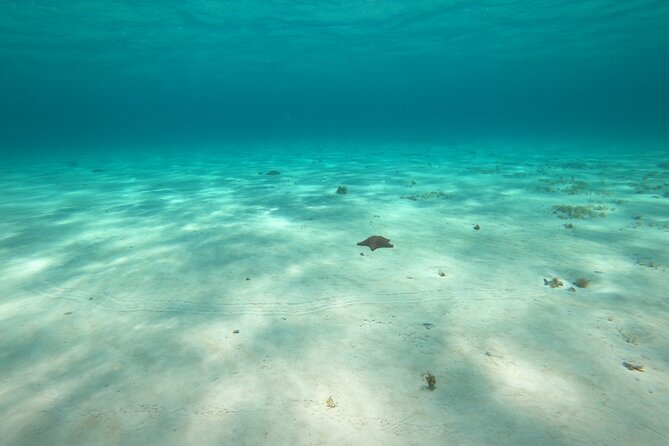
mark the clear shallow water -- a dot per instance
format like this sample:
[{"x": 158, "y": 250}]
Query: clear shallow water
[
  {"x": 158, "y": 287},
  {"x": 126, "y": 276}
]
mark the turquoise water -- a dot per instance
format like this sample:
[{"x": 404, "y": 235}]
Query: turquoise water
[
  {"x": 179, "y": 265},
  {"x": 205, "y": 71}
]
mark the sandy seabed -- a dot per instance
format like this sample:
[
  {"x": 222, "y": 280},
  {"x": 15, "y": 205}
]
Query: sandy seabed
[{"x": 192, "y": 299}]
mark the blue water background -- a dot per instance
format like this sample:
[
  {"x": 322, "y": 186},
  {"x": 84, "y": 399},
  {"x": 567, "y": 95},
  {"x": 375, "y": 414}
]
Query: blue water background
[{"x": 113, "y": 73}]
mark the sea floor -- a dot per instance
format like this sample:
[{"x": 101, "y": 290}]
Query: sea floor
[{"x": 190, "y": 298}]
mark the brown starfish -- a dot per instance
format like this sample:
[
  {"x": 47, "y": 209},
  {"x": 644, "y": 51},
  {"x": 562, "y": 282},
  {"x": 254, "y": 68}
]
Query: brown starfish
[{"x": 376, "y": 241}]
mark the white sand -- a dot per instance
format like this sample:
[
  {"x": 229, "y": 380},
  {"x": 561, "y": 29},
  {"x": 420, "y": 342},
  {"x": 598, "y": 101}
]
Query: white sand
[{"x": 121, "y": 289}]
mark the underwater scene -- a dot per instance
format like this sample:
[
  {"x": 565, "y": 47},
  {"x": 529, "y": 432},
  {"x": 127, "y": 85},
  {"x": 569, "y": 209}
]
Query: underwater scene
[{"x": 350, "y": 222}]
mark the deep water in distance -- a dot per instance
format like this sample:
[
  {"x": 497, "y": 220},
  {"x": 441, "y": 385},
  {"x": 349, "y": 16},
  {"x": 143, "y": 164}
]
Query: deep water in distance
[{"x": 106, "y": 73}]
